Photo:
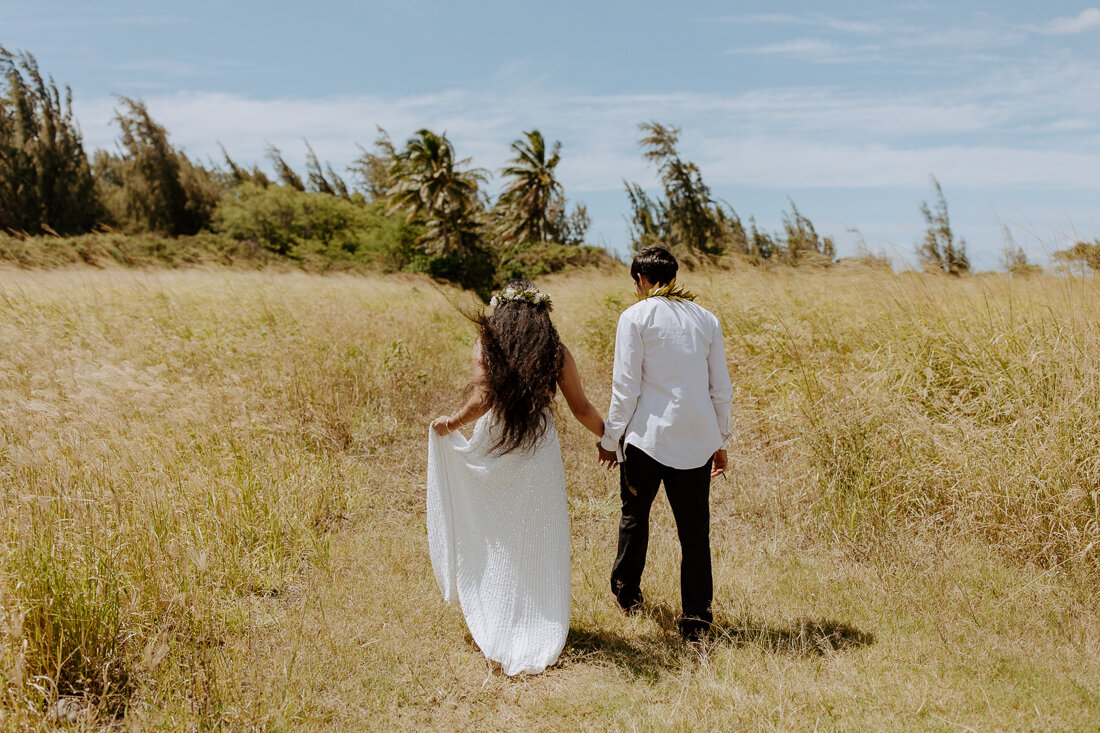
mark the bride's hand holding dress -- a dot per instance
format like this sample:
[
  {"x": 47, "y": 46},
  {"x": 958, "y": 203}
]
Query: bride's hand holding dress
[{"x": 475, "y": 407}]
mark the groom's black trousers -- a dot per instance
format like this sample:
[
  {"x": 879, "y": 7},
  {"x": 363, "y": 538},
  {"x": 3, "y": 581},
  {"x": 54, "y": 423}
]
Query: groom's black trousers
[{"x": 688, "y": 493}]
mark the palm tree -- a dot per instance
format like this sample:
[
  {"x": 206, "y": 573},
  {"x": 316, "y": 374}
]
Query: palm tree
[
  {"x": 526, "y": 205},
  {"x": 428, "y": 183}
]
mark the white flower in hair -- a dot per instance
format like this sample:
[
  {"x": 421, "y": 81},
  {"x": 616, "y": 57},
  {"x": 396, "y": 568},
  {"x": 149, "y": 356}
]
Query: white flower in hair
[{"x": 529, "y": 296}]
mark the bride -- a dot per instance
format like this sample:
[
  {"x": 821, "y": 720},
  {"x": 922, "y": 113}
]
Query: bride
[{"x": 498, "y": 527}]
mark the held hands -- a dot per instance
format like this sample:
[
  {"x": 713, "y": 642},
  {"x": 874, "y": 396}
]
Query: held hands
[
  {"x": 720, "y": 463},
  {"x": 608, "y": 459}
]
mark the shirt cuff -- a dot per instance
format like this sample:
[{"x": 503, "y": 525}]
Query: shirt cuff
[{"x": 613, "y": 445}]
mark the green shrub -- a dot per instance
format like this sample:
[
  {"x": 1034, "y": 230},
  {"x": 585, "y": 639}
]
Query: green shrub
[
  {"x": 132, "y": 250},
  {"x": 300, "y": 224},
  {"x": 532, "y": 261},
  {"x": 473, "y": 268}
]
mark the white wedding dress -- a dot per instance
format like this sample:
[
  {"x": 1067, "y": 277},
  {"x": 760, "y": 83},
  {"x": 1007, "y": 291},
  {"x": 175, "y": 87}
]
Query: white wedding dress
[{"x": 498, "y": 535}]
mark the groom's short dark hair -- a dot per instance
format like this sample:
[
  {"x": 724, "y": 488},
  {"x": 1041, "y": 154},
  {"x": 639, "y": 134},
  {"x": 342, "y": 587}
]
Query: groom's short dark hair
[{"x": 655, "y": 264}]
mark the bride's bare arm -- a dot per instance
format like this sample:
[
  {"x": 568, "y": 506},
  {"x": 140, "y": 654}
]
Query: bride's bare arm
[
  {"x": 475, "y": 407},
  {"x": 573, "y": 390}
]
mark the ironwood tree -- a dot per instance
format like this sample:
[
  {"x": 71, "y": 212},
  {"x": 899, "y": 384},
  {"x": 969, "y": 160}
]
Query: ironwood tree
[{"x": 46, "y": 182}]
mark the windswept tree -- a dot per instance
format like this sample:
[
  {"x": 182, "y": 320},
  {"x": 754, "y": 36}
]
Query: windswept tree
[
  {"x": 569, "y": 228},
  {"x": 687, "y": 218},
  {"x": 326, "y": 180},
  {"x": 430, "y": 184},
  {"x": 939, "y": 251},
  {"x": 373, "y": 169},
  {"x": 527, "y": 204},
  {"x": 803, "y": 244},
  {"x": 318, "y": 179},
  {"x": 1015, "y": 258},
  {"x": 150, "y": 185},
  {"x": 46, "y": 182},
  {"x": 1085, "y": 254},
  {"x": 283, "y": 171},
  {"x": 238, "y": 175},
  {"x": 762, "y": 246}
]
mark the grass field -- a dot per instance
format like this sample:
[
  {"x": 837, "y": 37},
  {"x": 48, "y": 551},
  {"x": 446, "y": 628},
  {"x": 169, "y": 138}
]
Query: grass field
[{"x": 213, "y": 508}]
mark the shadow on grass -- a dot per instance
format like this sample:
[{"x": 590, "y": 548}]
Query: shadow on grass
[
  {"x": 803, "y": 637},
  {"x": 648, "y": 655},
  {"x": 645, "y": 656}
]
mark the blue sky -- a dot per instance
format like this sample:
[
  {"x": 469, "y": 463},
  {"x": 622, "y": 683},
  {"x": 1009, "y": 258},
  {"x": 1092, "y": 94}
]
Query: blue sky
[{"x": 846, "y": 109}]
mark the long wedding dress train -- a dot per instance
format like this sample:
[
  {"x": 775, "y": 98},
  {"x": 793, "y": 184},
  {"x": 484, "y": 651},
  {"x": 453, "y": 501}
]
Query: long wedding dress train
[{"x": 498, "y": 535}]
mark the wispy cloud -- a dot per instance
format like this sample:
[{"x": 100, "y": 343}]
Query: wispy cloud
[
  {"x": 1087, "y": 20},
  {"x": 30, "y": 17},
  {"x": 988, "y": 34},
  {"x": 170, "y": 72},
  {"x": 814, "y": 49},
  {"x": 839, "y": 145},
  {"x": 164, "y": 67},
  {"x": 783, "y": 163},
  {"x": 781, "y": 139},
  {"x": 813, "y": 19},
  {"x": 147, "y": 19},
  {"x": 883, "y": 41}
]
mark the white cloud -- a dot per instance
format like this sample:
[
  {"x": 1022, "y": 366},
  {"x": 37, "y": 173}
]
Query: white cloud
[
  {"x": 1073, "y": 124},
  {"x": 164, "y": 67},
  {"x": 839, "y": 144},
  {"x": 814, "y": 19},
  {"x": 894, "y": 44},
  {"x": 1087, "y": 20},
  {"x": 31, "y": 17},
  {"x": 778, "y": 139},
  {"x": 962, "y": 40},
  {"x": 783, "y": 163},
  {"x": 815, "y": 49}
]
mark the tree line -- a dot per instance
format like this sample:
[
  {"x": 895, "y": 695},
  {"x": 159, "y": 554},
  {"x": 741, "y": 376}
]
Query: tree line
[
  {"x": 696, "y": 226},
  {"x": 416, "y": 206}
]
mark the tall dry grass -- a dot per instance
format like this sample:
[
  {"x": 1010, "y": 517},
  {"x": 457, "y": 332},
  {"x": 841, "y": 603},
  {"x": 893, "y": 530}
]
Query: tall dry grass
[
  {"x": 967, "y": 403},
  {"x": 213, "y": 487},
  {"x": 171, "y": 442}
]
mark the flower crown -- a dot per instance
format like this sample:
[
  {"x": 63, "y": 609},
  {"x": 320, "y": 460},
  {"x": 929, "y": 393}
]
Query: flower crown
[{"x": 530, "y": 296}]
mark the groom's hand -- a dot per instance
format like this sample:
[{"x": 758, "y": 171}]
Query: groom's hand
[
  {"x": 608, "y": 458},
  {"x": 720, "y": 461}
]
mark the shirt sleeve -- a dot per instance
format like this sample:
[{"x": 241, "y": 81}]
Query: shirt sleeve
[
  {"x": 626, "y": 384},
  {"x": 721, "y": 388}
]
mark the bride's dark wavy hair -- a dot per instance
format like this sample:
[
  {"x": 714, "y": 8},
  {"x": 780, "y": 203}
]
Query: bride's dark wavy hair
[{"x": 522, "y": 357}]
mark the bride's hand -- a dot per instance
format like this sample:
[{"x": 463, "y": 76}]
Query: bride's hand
[
  {"x": 608, "y": 459},
  {"x": 439, "y": 425}
]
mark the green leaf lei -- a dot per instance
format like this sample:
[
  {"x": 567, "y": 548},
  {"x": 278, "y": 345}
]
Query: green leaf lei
[{"x": 672, "y": 291}]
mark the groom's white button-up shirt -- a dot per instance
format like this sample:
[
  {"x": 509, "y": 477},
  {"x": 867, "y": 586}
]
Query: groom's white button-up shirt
[{"x": 671, "y": 391}]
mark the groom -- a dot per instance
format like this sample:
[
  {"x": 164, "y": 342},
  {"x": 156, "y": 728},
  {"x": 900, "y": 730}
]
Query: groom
[{"x": 669, "y": 421}]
